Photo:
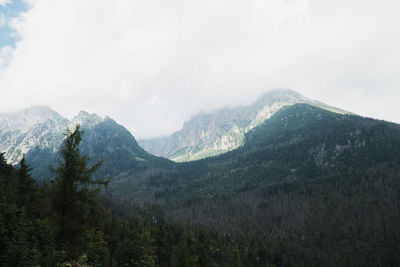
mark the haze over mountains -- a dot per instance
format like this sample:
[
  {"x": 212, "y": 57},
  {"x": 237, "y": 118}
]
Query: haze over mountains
[
  {"x": 212, "y": 134},
  {"x": 204, "y": 135},
  {"x": 38, "y": 132},
  {"x": 275, "y": 135}
]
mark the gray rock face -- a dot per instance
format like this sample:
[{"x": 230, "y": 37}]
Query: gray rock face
[
  {"x": 38, "y": 133},
  {"x": 223, "y": 130},
  {"x": 42, "y": 128},
  {"x": 33, "y": 127}
]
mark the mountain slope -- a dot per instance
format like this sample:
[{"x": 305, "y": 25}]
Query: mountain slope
[
  {"x": 306, "y": 180},
  {"x": 300, "y": 142},
  {"x": 215, "y": 133}
]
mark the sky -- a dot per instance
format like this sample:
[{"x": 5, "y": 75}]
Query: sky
[{"x": 153, "y": 64}]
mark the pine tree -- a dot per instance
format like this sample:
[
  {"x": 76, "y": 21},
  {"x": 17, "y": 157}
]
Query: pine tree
[{"x": 74, "y": 196}]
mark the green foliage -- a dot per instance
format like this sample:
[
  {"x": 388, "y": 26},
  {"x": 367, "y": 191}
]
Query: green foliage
[
  {"x": 97, "y": 251},
  {"x": 17, "y": 248},
  {"x": 136, "y": 245},
  {"x": 183, "y": 254}
]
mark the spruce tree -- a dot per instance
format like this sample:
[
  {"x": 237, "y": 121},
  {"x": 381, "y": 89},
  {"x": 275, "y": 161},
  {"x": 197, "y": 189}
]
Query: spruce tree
[
  {"x": 26, "y": 187},
  {"x": 5, "y": 168},
  {"x": 74, "y": 196},
  {"x": 7, "y": 177}
]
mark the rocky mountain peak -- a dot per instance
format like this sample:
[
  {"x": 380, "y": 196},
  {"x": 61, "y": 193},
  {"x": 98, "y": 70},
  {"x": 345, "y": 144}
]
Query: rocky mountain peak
[
  {"x": 223, "y": 130},
  {"x": 86, "y": 119},
  {"x": 37, "y": 126},
  {"x": 83, "y": 113},
  {"x": 24, "y": 120}
]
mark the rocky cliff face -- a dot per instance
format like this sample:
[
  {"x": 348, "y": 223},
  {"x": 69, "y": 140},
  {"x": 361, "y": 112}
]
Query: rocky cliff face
[
  {"x": 23, "y": 130},
  {"x": 223, "y": 130},
  {"x": 38, "y": 132}
]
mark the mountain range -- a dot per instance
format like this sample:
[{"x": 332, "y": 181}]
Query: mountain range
[
  {"x": 283, "y": 137},
  {"x": 299, "y": 142},
  {"x": 204, "y": 135},
  {"x": 302, "y": 184},
  {"x": 38, "y": 133}
]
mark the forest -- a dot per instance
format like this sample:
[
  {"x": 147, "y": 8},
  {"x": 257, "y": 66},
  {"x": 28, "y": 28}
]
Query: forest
[
  {"x": 66, "y": 222},
  {"x": 341, "y": 217}
]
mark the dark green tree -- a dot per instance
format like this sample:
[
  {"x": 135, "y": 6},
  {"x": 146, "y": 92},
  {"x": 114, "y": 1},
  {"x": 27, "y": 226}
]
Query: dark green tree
[
  {"x": 4, "y": 167},
  {"x": 74, "y": 196},
  {"x": 26, "y": 187},
  {"x": 97, "y": 253},
  {"x": 16, "y": 245},
  {"x": 7, "y": 179},
  {"x": 136, "y": 247}
]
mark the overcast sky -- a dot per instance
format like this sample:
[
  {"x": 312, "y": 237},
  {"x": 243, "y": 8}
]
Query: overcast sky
[{"x": 153, "y": 64}]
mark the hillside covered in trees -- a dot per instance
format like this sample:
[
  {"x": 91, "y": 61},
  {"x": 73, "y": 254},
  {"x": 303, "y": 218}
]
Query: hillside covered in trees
[
  {"x": 308, "y": 188},
  {"x": 64, "y": 223}
]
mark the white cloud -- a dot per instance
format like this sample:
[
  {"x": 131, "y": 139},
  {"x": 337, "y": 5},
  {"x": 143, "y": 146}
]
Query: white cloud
[
  {"x": 152, "y": 64},
  {"x": 5, "y": 54},
  {"x": 2, "y": 20},
  {"x": 4, "y": 2}
]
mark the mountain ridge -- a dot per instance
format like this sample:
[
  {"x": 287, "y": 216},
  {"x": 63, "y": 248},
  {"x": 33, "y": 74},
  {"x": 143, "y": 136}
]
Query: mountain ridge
[
  {"x": 22, "y": 130},
  {"x": 38, "y": 133},
  {"x": 300, "y": 142},
  {"x": 210, "y": 134}
]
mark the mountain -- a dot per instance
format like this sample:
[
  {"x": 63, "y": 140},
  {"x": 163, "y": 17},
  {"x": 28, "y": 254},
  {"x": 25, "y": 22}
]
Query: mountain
[
  {"x": 299, "y": 142},
  {"x": 223, "y": 130},
  {"x": 38, "y": 133},
  {"x": 320, "y": 187},
  {"x": 24, "y": 130}
]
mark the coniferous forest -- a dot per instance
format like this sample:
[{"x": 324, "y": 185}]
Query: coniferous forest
[
  {"x": 65, "y": 223},
  {"x": 265, "y": 204}
]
